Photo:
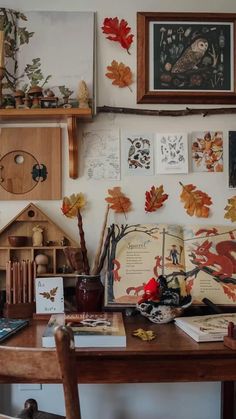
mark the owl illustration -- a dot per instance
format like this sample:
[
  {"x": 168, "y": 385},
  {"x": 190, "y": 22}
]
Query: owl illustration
[{"x": 191, "y": 56}]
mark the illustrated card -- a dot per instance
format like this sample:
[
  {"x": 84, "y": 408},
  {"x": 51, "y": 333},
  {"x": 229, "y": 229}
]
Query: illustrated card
[
  {"x": 207, "y": 151},
  {"x": 49, "y": 295},
  {"x": 138, "y": 154},
  {"x": 171, "y": 153}
]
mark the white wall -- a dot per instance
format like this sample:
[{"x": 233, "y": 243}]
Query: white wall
[{"x": 170, "y": 401}]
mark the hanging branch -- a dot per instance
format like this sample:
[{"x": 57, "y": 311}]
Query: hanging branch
[
  {"x": 177, "y": 112},
  {"x": 101, "y": 240}
]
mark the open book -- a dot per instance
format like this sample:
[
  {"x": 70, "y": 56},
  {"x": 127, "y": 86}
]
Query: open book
[
  {"x": 206, "y": 328},
  {"x": 199, "y": 260}
]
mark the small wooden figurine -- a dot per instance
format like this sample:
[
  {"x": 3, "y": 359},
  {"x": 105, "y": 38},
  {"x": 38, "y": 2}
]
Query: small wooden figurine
[
  {"x": 83, "y": 95},
  {"x": 37, "y": 236},
  {"x": 41, "y": 261}
]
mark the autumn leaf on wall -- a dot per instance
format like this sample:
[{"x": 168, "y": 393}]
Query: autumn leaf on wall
[
  {"x": 155, "y": 198},
  {"x": 230, "y": 209},
  {"x": 120, "y": 74},
  {"x": 117, "y": 200},
  {"x": 71, "y": 205},
  {"x": 195, "y": 201},
  {"x": 118, "y": 31}
]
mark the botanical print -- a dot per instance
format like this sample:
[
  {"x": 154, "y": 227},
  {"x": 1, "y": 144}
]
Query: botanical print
[
  {"x": 138, "y": 153},
  {"x": 172, "y": 153},
  {"x": 232, "y": 159},
  {"x": 102, "y": 154},
  {"x": 49, "y": 295},
  {"x": 192, "y": 56},
  {"x": 207, "y": 151},
  {"x": 63, "y": 62}
]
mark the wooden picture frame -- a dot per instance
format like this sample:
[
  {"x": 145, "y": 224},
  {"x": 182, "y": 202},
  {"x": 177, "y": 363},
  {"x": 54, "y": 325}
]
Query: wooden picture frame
[{"x": 186, "y": 58}]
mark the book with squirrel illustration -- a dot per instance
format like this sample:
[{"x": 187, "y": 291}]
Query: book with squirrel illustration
[
  {"x": 207, "y": 328},
  {"x": 89, "y": 329},
  {"x": 196, "y": 260}
]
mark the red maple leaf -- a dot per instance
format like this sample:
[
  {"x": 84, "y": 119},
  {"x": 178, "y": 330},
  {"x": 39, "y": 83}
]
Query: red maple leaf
[{"x": 118, "y": 31}]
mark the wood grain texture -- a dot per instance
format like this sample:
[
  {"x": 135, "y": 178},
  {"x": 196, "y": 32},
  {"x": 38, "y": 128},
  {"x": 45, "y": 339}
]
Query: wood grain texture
[{"x": 42, "y": 145}]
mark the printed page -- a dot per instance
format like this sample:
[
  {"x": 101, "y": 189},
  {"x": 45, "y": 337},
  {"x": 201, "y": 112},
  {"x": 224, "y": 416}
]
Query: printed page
[
  {"x": 210, "y": 263},
  {"x": 139, "y": 252}
]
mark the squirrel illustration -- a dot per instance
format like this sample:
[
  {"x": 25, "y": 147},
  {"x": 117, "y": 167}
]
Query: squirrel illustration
[{"x": 223, "y": 259}]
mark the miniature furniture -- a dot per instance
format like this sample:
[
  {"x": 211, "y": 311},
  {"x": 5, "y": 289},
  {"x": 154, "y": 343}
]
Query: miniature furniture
[
  {"x": 66, "y": 368},
  {"x": 172, "y": 357}
]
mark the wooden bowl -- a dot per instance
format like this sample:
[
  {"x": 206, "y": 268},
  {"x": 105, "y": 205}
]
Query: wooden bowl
[{"x": 17, "y": 241}]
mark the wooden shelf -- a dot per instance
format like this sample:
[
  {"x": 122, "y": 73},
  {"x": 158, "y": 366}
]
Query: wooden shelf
[{"x": 70, "y": 116}]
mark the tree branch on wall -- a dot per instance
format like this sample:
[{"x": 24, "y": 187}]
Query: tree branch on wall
[{"x": 177, "y": 112}]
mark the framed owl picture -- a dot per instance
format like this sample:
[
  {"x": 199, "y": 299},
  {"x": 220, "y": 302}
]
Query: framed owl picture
[{"x": 186, "y": 58}]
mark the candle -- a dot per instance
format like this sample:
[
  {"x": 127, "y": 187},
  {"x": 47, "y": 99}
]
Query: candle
[{"x": 2, "y": 49}]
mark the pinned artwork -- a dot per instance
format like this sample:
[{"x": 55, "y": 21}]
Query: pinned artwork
[
  {"x": 102, "y": 154},
  {"x": 49, "y": 295},
  {"x": 232, "y": 160},
  {"x": 207, "y": 151},
  {"x": 138, "y": 154},
  {"x": 171, "y": 153}
]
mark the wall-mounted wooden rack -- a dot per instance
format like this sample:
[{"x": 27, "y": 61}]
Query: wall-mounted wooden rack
[{"x": 69, "y": 116}]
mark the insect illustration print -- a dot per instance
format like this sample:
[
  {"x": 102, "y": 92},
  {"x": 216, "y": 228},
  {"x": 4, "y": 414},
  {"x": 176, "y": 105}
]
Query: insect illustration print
[
  {"x": 50, "y": 295},
  {"x": 172, "y": 153},
  {"x": 139, "y": 153}
]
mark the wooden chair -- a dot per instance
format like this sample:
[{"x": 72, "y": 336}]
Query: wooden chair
[{"x": 12, "y": 368}]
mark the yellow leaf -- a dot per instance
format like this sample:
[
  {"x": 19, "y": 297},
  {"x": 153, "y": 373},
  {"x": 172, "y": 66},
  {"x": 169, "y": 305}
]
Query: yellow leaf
[
  {"x": 72, "y": 204},
  {"x": 230, "y": 209}
]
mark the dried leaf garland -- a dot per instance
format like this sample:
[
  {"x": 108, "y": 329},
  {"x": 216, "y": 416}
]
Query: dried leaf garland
[
  {"x": 118, "y": 31},
  {"x": 120, "y": 74},
  {"x": 117, "y": 200},
  {"x": 195, "y": 201},
  {"x": 73, "y": 203},
  {"x": 231, "y": 209},
  {"x": 155, "y": 198}
]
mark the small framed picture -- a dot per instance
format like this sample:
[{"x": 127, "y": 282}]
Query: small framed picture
[
  {"x": 171, "y": 153},
  {"x": 49, "y": 295}
]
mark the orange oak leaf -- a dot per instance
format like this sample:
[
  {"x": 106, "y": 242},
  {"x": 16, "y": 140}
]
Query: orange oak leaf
[
  {"x": 120, "y": 74},
  {"x": 118, "y": 201},
  {"x": 195, "y": 201},
  {"x": 118, "y": 31},
  {"x": 230, "y": 291},
  {"x": 72, "y": 204},
  {"x": 155, "y": 198}
]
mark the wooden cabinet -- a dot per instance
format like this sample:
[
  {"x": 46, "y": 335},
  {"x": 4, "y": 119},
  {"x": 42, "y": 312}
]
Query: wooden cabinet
[{"x": 55, "y": 241}]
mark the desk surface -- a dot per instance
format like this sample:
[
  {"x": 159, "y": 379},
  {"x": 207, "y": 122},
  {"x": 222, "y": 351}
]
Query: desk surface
[{"x": 172, "y": 357}]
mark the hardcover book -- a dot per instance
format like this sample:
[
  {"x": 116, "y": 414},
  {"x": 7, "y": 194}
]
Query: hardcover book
[
  {"x": 198, "y": 260},
  {"x": 207, "y": 328},
  {"x": 89, "y": 329},
  {"x": 9, "y": 327}
]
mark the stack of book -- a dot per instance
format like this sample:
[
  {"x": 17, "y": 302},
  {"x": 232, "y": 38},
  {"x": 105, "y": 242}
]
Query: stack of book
[
  {"x": 89, "y": 329},
  {"x": 207, "y": 328}
]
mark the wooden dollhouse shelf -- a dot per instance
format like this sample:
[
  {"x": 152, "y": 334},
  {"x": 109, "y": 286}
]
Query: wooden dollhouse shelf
[{"x": 70, "y": 116}]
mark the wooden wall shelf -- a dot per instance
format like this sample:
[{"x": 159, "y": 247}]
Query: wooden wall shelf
[{"x": 70, "y": 116}]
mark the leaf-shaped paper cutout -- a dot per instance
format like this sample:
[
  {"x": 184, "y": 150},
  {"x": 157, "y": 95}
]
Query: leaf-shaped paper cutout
[
  {"x": 72, "y": 204},
  {"x": 120, "y": 74},
  {"x": 145, "y": 335},
  {"x": 195, "y": 201},
  {"x": 118, "y": 201},
  {"x": 118, "y": 31},
  {"x": 231, "y": 209},
  {"x": 155, "y": 198}
]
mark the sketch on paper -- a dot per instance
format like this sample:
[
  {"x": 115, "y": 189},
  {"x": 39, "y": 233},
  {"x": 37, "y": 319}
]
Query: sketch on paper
[
  {"x": 102, "y": 154},
  {"x": 172, "y": 153},
  {"x": 207, "y": 151},
  {"x": 138, "y": 154},
  {"x": 232, "y": 160}
]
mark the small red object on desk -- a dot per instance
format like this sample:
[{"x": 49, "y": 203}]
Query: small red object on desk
[{"x": 230, "y": 339}]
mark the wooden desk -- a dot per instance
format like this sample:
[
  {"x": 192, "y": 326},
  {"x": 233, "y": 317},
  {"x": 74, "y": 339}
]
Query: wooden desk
[{"x": 172, "y": 357}]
